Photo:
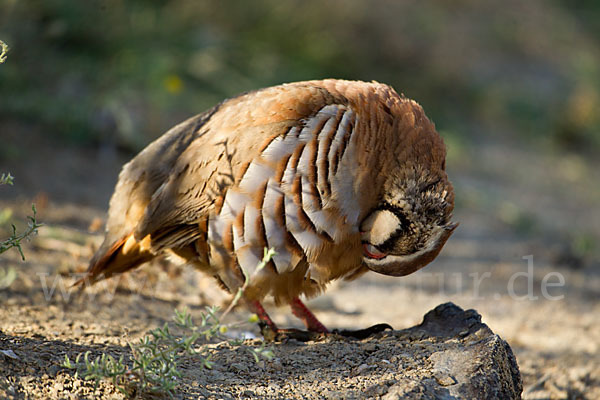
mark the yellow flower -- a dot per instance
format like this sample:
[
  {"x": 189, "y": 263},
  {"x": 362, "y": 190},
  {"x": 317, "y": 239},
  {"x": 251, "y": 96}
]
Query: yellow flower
[{"x": 173, "y": 84}]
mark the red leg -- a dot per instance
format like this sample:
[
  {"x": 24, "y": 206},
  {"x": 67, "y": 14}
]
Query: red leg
[
  {"x": 258, "y": 309},
  {"x": 309, "y": 319}
]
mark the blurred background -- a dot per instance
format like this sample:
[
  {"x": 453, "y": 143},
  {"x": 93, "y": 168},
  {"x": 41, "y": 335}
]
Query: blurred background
[{"x": 512, "y": 86}]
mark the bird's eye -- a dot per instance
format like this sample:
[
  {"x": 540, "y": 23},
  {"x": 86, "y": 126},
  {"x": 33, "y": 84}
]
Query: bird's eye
[{"x": 373, "y": 252}]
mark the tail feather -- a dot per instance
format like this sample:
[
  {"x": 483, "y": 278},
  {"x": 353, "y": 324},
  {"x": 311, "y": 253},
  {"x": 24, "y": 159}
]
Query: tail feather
[{"x": 122, "y": 255}]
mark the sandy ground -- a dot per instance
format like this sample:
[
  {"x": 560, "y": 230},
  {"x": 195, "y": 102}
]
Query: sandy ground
[{"x": 515, "y": 258}]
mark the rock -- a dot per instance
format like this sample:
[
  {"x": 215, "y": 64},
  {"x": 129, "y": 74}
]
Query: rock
[
  {"x": 478, "y": 365},
  {"x": 450, "y": 355}
]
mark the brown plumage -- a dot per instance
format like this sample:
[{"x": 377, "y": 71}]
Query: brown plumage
[{"x": 339, "y": 177}]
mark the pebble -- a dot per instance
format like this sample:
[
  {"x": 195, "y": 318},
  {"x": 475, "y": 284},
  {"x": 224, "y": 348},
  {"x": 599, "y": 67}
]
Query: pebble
[
  {"x": 445, "y": 380},
  {"x": 370, "y": 347}
]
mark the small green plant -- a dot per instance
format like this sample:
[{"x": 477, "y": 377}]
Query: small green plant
[
  {"x": 154, "y": 359},
  {"x": 103, "y": 367},
  {"x": 8, "y": 275},
  {"x": 16, "y": 238},
  {"x": 3, "y": 53},
  {"x": 6, "y": 179}
]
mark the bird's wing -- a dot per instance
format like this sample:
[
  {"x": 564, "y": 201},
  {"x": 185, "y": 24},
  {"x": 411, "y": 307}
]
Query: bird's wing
[
  {"x": 138, "y": 181},
  {"x": 214, "y": 161}
]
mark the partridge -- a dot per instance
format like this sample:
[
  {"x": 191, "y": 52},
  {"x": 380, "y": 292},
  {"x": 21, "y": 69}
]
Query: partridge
[{"x": 338, "y": 177}]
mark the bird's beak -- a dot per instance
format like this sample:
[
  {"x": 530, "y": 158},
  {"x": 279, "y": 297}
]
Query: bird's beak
[{"x": 407, "y": 264}]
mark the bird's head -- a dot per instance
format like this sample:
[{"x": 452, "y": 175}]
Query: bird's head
[{"x": 410, "y": 225}]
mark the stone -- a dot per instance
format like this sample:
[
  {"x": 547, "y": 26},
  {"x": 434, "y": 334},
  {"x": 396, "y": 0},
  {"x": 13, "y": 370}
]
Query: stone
[{"x": 470, "y": 360}]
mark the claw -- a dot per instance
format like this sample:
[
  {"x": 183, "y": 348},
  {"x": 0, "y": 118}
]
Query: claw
[
  {"x": 283, "y": 335},
  {"x": 363, "y": 333}
]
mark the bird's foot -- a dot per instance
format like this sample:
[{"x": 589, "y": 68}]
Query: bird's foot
[
  {"x": 316, "y": 331},
  {"x": 283, "y": 335},
  {"x": 362, "y": 333}
]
